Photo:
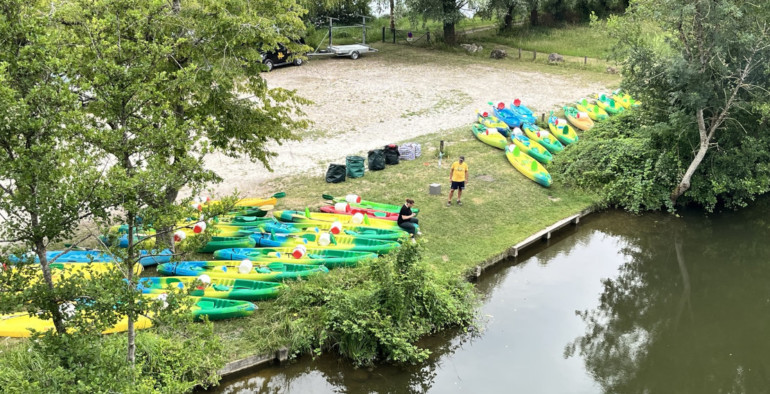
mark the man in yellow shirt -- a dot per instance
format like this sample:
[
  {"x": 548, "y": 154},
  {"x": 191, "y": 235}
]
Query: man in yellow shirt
[{"x": 458, "y": 175}]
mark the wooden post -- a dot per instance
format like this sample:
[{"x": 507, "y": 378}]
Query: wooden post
[
  {"x": 427, "y": 35},
  {"x": 383, "y": 34},
  {"x": 543, "y": 117},
  {"x": 585, "y": 60},
  {"x": 534, "y": 55},
  {"x": 394, "y": 35},
  {"x": 519, "y": 53}
]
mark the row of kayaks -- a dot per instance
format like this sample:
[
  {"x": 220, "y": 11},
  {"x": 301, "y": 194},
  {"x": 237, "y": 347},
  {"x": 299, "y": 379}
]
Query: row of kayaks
[
  {"x": 528, "y": 147},
  {"x": 237, "y": 276}
]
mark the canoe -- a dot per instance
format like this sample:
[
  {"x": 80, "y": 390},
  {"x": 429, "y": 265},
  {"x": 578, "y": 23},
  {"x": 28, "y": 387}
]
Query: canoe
[
  {"x": 313, "y": 240},
  {"x": 609, "y": 105},
  {"x": 562, "y": 130},
  {"x": 356, "y": 202},
  {"x": 489, "y": 136},
  {"x": 488, "y": 120},
  {"x": 527, "y": 165},
  {"x": 217, "y": 243},
  {"x": 21, "y": 324},
  {"x": 272, "y": 272},
  {"x": 543, "y": 138},
  {"x": 330, "y": 258},
  {"x": 625, "y": 100},
  {"x": 506, "y": 115},
  {"x": 594, "y": 111},
  {"x": 581, "y": 120},
  {"x": 315, "y": 217},
  {"x": 372, "y": 213},
  {"x": 254, "y": 201},
  {"x": 149, "y": 257},
  {"x": 532, "y": 148},
  {"x": 352, "y": 230},
  {"x": 525, "y": 114},
  {"x": 233, "y": 289},
  {"x": 242, "y": 221}
]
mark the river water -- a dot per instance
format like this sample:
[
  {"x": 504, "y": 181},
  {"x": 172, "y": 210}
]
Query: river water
[{"x": 619, "y": 304}]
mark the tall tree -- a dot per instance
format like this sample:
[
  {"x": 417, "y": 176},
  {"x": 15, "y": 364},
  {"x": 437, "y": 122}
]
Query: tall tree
[
  {"x": 50, "y": 178},
  {"x": 713, "y": 60},
  {"x": 168, "y": 83},
  {"x": 446, "y": 11}
]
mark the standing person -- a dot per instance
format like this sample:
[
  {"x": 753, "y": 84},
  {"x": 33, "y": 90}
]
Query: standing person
[
  {"x": 458, "y": 175},
  {"x": 407, "y": 219}
]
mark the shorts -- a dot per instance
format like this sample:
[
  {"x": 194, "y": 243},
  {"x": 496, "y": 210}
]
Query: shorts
[{"x": 458, "y": 185}]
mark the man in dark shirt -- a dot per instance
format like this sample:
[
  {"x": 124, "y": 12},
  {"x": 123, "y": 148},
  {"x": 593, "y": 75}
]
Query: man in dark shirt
[{"x": 407, "y": 219}]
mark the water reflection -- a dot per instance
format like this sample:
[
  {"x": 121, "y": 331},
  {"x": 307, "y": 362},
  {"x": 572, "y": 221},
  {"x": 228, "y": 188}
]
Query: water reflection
[{"x": 620, "y": 304}]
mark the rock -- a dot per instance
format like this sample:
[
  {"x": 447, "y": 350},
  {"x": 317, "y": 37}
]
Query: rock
[
  {"x": 612, "y": 70},
  {"x": 498, "y": 54},
  {"x": 555, "y": 58},
  {"x": 472, "y": 48}
]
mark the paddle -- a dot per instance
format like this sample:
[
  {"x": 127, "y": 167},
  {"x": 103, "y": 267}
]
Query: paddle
[
  {"x": 327, "y": 197},
  {"x": 267, "y": 207},
  {"x": 279, "y": 195}
]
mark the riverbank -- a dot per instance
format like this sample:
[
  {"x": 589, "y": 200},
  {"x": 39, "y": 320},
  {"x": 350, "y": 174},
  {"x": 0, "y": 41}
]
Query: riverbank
[{"x": 500, "y": 208}]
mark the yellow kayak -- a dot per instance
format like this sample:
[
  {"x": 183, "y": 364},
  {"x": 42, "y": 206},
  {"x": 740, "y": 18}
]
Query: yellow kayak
[
  {"x": 527, "y": 165},
  {"x": 625, "y": 100},
  {"x": 562, "y": 130},
  {"x": 491, "y": 121},
  {"x": 19, "y": 325},
  {"x": 593, "y": 110},
  {"x": 311, "y": 217},
  {"x": 489, "y": 136},
  {"x": 581, "y": 120},
  {"x": 254, "y": 201}
]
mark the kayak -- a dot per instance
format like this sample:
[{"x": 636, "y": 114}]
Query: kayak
[
  {"x": 609, "y": 105},
  {"x": 493, "y": 122},
  {"x": 594, "y": 111},
  {"x": 254, "y": 201},
  {"x": 352, "y": 230},
  {"x": 242, "y": 221},
  {"x": 149, "y": 257},
  {"x": 562, "y": 130},
  {"x": 273, "y": 272},
  {"x": 357, "y": 202},
  {"x": 217, "y": 243},
  {"x": 315, "y": 217},
  {"x": 346, "y": 209},
  {"x": 506, "y": 115},
  {"x": 489, "y": 136},
  {"x": 532, "y": 148},
  {"x": 233, "y": 289},
  {"x": 580, "y": 120},
  {"x": 543, "y": 137},
  {"x": 316, "y": 241},
  {"x": 21, "y": 324},
  {"x": 625, "y": 100},
  {"x": 525, "y": 114},
  {"x": 527, "y": 165},
  {"x": 330, "y": 258}
]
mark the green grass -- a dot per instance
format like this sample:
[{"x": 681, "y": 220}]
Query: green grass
[
  {"x": 572, "y": 40},
  {"x": 500, "y": 208}
]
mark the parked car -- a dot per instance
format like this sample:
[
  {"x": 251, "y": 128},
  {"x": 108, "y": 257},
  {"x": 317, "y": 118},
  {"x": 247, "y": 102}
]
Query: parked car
[{"x": 281, "y": 56}]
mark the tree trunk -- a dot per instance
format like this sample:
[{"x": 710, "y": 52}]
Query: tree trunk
[
  {"x": 130, "y": 261},
  {"x": 392, "y": 15},
  {"x": 705, "y": 139},
  {"x": 448, "y": 8},
  {"x": 58, "y": 319},
  {"x": 508, "y": 19},
  {"x": 533, "y": 17},
  {"x": 165, "y": 238}
]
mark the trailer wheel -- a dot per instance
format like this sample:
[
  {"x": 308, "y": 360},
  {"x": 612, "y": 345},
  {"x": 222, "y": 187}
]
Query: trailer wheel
[
  {"x": 297, "y": 62},
  {"x": 269, "y": 65},
  {"x": 354, "y": 55}
]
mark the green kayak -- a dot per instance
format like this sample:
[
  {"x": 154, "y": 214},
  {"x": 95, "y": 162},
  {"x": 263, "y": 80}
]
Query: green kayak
[
  {"x": 217, "y": 243},
  {"x": 233, "y": 289},
  {"x": 272, "y": 272},
  {"x": 220, "y": 309},
  {"x": 330, "y": 258},
  {"x": 356, "y": 202}
]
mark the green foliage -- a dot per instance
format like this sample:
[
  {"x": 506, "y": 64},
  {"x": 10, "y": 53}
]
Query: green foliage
[
  {"x": 174, "y": 362},
  {"x": 373, "y": 313}
]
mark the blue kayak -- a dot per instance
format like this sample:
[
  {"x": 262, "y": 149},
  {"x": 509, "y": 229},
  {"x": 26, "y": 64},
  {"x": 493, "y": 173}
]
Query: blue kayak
[
  {"x": 523, "y": 113},
  {"x": 148, "y": 258},
  {"x": 506, "y": 115}
]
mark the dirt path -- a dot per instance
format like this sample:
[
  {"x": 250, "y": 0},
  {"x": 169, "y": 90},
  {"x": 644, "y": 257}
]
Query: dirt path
[{"x": 365, "y": 104}]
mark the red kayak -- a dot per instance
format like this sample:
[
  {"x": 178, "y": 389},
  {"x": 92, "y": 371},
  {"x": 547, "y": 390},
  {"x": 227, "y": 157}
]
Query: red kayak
[{"x": 348, "y": 210}]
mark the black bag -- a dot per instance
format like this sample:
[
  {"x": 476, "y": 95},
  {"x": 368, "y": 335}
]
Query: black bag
[
  {"x": 376, "y": 160},
  {"x": 335, "y": 173},
  {"x": 391, "y": 154},
  {"x": 355, "y": 166}
]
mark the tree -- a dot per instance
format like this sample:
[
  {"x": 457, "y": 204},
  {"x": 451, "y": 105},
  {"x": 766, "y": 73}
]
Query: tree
[
  {"x": 168, "y": 83},
  {"x": 713, "y": 60},
  {"x": 505, "y": 8},
  {"x": 446, "y": 11},
  {"x": 50, "y": 177}
]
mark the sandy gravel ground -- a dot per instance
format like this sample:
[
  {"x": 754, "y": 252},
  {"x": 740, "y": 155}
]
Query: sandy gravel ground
[{"x": 365, "y": 104}]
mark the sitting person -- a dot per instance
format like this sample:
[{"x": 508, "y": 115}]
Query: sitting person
[{"x": 407, "y": 219}]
